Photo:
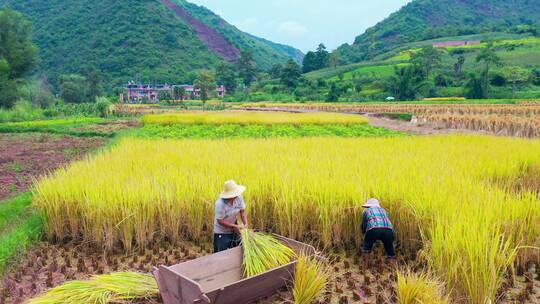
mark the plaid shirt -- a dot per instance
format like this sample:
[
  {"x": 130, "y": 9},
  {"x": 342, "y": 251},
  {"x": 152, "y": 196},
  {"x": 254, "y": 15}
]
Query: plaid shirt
[{"x": 376, "y": 217}]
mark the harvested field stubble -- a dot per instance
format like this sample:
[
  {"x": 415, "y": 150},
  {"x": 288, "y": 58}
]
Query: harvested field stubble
[
  {"x": 521, "y": 120},
  {"x": 313, "y": 189}
]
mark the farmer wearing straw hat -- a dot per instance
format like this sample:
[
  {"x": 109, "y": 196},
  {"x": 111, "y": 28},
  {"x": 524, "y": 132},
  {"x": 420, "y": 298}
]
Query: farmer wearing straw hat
[
  {"x": 228, "y": 206},
  {"x": 376, "y": 226}
]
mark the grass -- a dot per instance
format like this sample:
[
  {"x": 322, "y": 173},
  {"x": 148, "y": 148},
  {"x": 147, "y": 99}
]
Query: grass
[
  {"x": 249, "y": 118},
  {"x": 258, "y": 131},
  {"x": 119, "y": 287},
  {"x": 439, "y": 191},
  {"x": 67, "y": 126},
  {"x": 19, "y": 227}
]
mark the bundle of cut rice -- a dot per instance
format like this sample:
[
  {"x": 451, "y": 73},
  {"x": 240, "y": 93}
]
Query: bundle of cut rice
[
  {"x": 310, "y": 279},
  {"x": 263, "y": 252},
  {"x": 117, "y": 287}
]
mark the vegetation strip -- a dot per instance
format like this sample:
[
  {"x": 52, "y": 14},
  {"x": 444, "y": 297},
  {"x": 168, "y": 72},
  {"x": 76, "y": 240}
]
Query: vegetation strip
[{"x": 259, "y": 131}]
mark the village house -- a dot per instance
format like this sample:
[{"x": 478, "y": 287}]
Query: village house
[{"x": 152, "y": 93}]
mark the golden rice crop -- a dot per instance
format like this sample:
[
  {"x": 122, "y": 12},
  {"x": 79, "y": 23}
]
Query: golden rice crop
[
  {"x": 310, "y": 280},
  {"x": 263, "y": 252},
  {"x": 440, "y": 192},
  {"x": 244, "y": 118},
  {"x": 419, "y": 288},
  {"x": 119, "y": 287}
]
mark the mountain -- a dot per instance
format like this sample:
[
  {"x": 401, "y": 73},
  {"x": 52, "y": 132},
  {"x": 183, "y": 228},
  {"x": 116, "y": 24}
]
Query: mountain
[
  {"x": 429, "y": 19},
  {"x": 154, "y": 40}
]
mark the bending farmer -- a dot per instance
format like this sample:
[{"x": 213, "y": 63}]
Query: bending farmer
[
  {"x": 228, "y": 206},
  {"x": 376, "y": 226}
]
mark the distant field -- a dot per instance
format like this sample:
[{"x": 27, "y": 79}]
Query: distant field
[{"x": 253, "y": 118}]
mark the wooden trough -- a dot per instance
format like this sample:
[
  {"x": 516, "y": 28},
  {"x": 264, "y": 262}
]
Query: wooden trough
[{"x": 218, "y": 278}]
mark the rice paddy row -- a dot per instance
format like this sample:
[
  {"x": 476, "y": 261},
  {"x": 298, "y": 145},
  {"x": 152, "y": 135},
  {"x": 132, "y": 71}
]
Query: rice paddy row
[{"x": 454, "y": 199}]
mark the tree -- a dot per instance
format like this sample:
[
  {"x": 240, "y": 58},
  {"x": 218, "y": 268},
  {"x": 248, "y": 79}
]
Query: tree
[
  {"x": 458, "y": 68},
  {"x": 16, "y": 46},
  {"x": 226, "y": 75},
  {"x": 516, "y": 75},
  {"x": 290, "y": 74},
  {"x": 275, "y": 71},
  {"x": 206, "y": 84},
  {"x": 427, "y": 59},
  {"x": 406, "y": 83},
  {"x": 179, "y": 93},
  {"x": 334, "y": 59},
  {"x": 322, "y": 56},
  {"x": 93, "y": 77},
  {"x": 489, "y": 58},
  {"x": 310, "y": 62},
  {"x": 247, "y": 68},
  {"x": 334, "y": 93},
  {"x": 18, "y": 55},
  {"x": 535, "y": 77},
  {"x": 73, "y": 88},
  {"x": 475, "y": 88}
]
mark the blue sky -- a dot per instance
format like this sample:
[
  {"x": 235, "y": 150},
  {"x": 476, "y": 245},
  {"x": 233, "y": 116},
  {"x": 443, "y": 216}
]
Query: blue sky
[{"x": 304, "y": 23}]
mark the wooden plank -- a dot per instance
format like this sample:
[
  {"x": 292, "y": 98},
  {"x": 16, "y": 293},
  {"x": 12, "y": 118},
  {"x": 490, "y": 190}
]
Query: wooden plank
[
  {"x": 211, "y": 265},
  {"x": 166, "y": 295}
]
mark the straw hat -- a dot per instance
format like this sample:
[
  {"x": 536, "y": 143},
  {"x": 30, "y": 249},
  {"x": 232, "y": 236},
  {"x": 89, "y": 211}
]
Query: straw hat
[
  {"x": 372, "y": 202},
  {"x": 232, "y": 190}
]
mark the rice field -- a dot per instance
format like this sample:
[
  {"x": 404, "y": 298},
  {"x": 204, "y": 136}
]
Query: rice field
[
  {"x": 465, "y": 205},
  {"x": 253, "y": 118}
]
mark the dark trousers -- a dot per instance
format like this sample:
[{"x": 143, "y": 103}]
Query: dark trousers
[
  {"x": 225, "y": 241},
  {"x": 380, "y": 234}
]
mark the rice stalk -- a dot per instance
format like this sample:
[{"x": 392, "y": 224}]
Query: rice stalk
[
  {"x": 310, "y": 280},
  {"x": 419, "y": 288}
]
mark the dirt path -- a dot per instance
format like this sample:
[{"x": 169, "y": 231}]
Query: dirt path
[
  {"x": 377, "y": 120},
  {"x": 418, "y": 129}
]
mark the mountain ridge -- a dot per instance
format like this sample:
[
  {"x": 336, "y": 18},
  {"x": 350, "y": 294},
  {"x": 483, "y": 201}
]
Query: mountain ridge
[
  {"x": 428, "y": 19},
  {"x": 143, "y": 39}
]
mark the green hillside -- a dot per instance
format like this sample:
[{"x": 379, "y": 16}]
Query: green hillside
[
  {"x": 514, "y": 50},
  {"x": 429, "y": 19},
  {"x": 136, "y": 38}
]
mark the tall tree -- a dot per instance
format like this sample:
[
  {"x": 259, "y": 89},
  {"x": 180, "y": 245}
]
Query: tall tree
[
  {"x": 334, "y": 59},
  {"x": 247, "y": 68},
  {"x": 427, "y": 59},
  {"x": 290, "y": 74},
  {"x": 322, "y": 56},
  {"x": 489, "y": 58},
  {"x": 226, "y": 75},
  {"x": 475, "y": 87},
  {"x": 93, "y": 77},
  {"x": 179, "y": 93},
  {"x": 516, "y": 75},
  {"x": 458, "y": 68},
  {"x": 275, "y": 71},
  {"x": 407, "y": 83},
  {"x": 18, "y": 55},
  {"x": 310, "y": 62},
  {"x": 74, "y": 88},
  {"x": 206, "y": 84},
  {"x": 16, "y": 45},
  {"x": 334, "y": 93}
]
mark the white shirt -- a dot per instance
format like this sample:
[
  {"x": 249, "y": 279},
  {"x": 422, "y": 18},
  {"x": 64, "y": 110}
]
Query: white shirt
[{"x": 228, "y": 213}]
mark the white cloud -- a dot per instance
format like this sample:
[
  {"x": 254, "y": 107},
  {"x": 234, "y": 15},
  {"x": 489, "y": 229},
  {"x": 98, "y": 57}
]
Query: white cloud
[{"x": 292, "y": 28}]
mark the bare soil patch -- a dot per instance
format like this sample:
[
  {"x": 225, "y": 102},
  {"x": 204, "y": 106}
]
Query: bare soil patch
[{"x": 24, "y": 157}]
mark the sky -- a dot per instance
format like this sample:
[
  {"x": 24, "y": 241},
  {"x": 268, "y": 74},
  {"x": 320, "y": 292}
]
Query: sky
[{"x": 304, "y": 23}]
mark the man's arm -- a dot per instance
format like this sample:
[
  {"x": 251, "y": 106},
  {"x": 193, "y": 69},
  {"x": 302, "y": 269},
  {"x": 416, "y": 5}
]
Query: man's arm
[
  {"x": 224, "y": 223},
  {"x": 243, "y": 214}
]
